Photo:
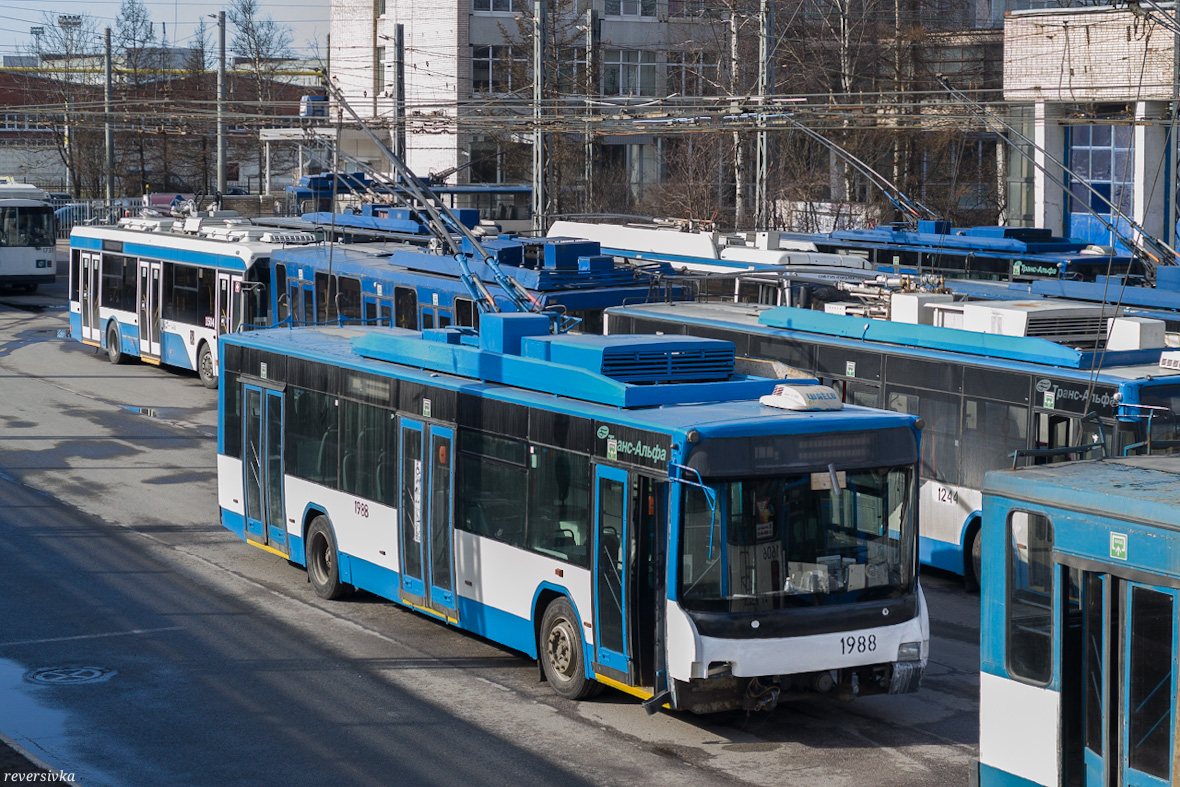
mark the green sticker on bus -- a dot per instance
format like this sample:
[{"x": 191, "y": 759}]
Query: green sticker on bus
[{"x": 1118, "y": 546}]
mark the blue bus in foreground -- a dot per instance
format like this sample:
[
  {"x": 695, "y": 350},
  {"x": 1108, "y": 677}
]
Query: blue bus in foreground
[
  {"x": 1013, "y": 375},
  {"x": 1079, "y": 649},
  {"x": 630, "y": 511}
]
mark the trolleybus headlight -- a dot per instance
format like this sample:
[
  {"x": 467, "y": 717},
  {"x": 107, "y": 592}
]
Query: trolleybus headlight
[{"x": 909, "y": 651}]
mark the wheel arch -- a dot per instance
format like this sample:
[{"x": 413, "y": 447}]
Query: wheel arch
[
  {"x": 545, "y": 595},
  {"x": 310, "y": 512}
]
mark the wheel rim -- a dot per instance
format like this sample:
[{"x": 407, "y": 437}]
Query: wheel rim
[
  {"x": 112, "y": 344},
  {"x": 207, "y": 365},
  {"x": 321, "y": 562},
  {"x": 559, "y": 647}
]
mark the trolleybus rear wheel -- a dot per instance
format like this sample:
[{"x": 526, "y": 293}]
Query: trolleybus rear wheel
[
  {"x": 114, "y": 347},
  {"x": 977, "y": 558},
  {"x": 205, "y": 367},
  {"x": 323, "y": 562},
  {"x": 561, "y": 653}
]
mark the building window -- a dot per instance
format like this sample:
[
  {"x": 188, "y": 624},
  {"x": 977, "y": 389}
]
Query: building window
[
  {"x": 495, "y": 5},
  {"x": 571, "y": 71},
  {"x": 693, "y": 74},
  {"x": 686, "y": 8},
  {"x": 495, "y": 68},
  {"x": 630, "y": 7},
  {"x": 1103, "y": 156},
  {"x": 628, "y": 72}
]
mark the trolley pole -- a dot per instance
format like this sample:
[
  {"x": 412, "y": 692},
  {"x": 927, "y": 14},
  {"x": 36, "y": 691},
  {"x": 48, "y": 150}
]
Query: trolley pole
[
  {"x": 221, "y": 103},
  {"x": 108, "y": 132}
]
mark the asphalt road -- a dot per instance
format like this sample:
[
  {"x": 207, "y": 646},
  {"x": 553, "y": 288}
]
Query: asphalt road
[{"x": 214, "y": 663}]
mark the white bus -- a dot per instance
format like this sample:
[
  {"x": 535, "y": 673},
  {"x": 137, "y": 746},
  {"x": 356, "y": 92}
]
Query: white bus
[
  {"x": 28, "y": 254},
  {"x": 164, "y": 289}
]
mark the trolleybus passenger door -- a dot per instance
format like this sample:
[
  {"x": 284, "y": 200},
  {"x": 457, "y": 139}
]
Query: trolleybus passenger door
[
  {"x": 88, "y": 293},
  {"x": 426, "y": 516},
  {"x": 263, "y": 467},
  {"x": 149, "y": 308},
  {"x": 228, "y": 289},
  {"x": 610, "y": 568},
  {"x": 301, "y": 297},
  {"x": 1124, "y": 685}
]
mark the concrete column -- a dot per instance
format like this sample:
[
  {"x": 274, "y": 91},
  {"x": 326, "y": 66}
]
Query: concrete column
[
  {"x": 1151, "y": 147},
  {"x": 1049, "y": 195}
]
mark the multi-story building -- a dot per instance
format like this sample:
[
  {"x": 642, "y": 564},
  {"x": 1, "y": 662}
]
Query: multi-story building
[{"x": 1097, "y": 90}]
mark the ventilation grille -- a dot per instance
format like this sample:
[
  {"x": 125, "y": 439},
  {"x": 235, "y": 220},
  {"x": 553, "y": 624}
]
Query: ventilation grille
[
  {"x": 1082, "y": 331},
  {"x": 651, "y": 365}
]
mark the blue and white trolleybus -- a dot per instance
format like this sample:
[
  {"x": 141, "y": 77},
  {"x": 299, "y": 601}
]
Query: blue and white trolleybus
[{"x": 628, "y": 510}]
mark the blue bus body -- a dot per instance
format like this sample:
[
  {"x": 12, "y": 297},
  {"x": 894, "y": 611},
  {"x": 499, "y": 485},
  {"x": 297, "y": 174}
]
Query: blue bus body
[
  {"x": 982, "y": 395},
  {"x": 408, "y": 287},
  {"x": 1079, "y": 649},
  {"x": 151, "y": 289},
  {"x": 617, "y": 507},
  {"x": 995, "y": 253}
]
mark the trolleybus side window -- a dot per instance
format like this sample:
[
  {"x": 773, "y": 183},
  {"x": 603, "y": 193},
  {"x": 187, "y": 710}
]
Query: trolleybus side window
[
  {"x": 312, "y": 436},
  {"x": 118, "y": 282},
  {"x": 940, "y": 437},
  {"x": 368, "y": 462},
  {"x": 991, "y": 432},
  {"x": 282, "y": 307},
  {"x": 466, "y": 314},
  {"x": 405, "y": 307},
  {"x": 349, "y": 299},
  {"x": 189, "y": 294},
  {"x": 492, "y": 487},
  {"x": 325, "y": 298},
  {"x": 1029, "y": 640},
  {"x": 559, "y": 504}
]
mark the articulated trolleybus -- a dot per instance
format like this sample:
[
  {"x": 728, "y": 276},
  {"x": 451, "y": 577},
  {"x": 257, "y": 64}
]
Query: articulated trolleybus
[
  {"x": 1078, "y": 656},
  {"x": 164, "y": 289},
  {"x": 628, "y": 510}
]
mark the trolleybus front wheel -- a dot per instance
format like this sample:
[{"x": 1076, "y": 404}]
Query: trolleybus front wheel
[
  {"x": 561, "y": 653},
  {"x": 205, "y": 367},
  {"x": 323, "y": 562},
  {"x": 114, "y": 345}
]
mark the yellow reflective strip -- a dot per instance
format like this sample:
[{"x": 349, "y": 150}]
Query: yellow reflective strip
[
  {"x": 266, "y": 548},
  {"x": 634, "y": 691},
  {"x": 92, "y": 343},
  {"x": 150, "y": 359},
  {"x": 429, "y": 611}
]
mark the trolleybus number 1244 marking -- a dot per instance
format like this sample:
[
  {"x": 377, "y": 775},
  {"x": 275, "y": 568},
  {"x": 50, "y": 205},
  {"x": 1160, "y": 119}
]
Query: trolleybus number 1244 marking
[
  {"x": 947, "y": 495},
  {"x": 854, "y": 644}
]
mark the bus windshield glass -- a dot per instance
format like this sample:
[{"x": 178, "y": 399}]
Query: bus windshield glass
[
  {"x": 803, "y": 539},
  {"x": 26, "y": 226},
  {"x": 1164, "y": 401}
]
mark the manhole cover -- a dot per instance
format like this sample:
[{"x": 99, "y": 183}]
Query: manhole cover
[{"x": 62, "y": 676}]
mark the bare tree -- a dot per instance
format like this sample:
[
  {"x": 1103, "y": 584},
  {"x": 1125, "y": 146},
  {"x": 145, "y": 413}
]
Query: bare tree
[
  {"x": 134, "y": 36},
  {"x": 62, "y": 51},
  {"x": 263, "y": 45}
]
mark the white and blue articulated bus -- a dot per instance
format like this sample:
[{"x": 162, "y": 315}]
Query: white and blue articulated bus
[
  {"x": 1079, "y": 649},
  {"x": 628, "y": 510},
  {"x": 163, "y": 289}
]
